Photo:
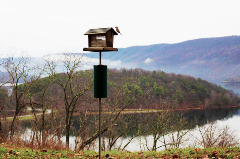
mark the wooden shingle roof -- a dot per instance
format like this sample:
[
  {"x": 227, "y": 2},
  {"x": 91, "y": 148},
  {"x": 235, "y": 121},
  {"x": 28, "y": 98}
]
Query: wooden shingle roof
[{"x": 100, "y": 31}]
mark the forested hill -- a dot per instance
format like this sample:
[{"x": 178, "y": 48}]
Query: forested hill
[
  {"x": 158, "y": 88},
  {"x": 146, "y": 89},
  {"x": 213, "y": 59}
]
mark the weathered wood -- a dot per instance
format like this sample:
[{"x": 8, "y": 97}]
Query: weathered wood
[
  {"x": 97, "y": 41},
  {"x": 97, "y": 49},
  {"x": 100, "y": 31},
  {"x": 89, "y": 40},
  {"x": 109, "y": 39},
  {"x": 102, "y": 37}
]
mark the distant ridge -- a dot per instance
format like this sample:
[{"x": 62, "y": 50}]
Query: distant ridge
[{"x": 213, "y": 59}]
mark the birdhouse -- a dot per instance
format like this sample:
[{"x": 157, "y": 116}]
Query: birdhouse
[{"x": 100, "y": 39}]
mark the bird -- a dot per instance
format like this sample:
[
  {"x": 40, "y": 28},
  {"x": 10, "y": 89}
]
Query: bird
[{"x": 118, "y": 30}]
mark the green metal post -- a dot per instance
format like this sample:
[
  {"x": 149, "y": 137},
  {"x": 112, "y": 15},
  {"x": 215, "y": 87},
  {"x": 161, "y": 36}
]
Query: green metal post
[
  {"x": 100, "y": 90},
  {"x": 100, "y": 109}
]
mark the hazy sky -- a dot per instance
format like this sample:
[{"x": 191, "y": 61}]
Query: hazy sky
[{"x": 39, "y": 27}]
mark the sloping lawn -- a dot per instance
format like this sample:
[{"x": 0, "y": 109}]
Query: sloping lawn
[{"x": 229, "y": 152}]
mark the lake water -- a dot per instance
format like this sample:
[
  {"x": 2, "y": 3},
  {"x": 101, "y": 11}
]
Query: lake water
[{"x": 222, "y": 117}]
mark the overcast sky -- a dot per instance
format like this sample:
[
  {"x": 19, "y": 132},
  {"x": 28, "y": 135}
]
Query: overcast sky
[{"x": 40, "y": 27}]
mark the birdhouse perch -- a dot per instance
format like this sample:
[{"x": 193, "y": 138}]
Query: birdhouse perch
[{"x": 100, "y": 39}]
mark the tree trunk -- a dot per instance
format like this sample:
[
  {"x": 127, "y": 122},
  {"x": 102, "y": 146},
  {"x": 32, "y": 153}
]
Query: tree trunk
[
  {"x": 154, "y": 144},
  {"x": 43, "y": 130},
  {"x": 13, "y": 123},
  {"x": 1, "y": 133},
  {"x": 92, "y": 138},
  {"x": 67, "y": 136},
  {"x": 67, "y": 129}
]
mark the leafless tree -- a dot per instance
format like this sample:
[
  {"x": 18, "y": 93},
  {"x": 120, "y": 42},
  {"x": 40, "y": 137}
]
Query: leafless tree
[
  {"x": 118, "y": 100},
  {"x": 159, "y": 125},
  {"x": 178, "y": 131},
  {"x": 214, "y": 135},
  {"x": 69, "y": 84},
  {"x": 18, "y": 72},
  {"x": 41, "y": 99}
]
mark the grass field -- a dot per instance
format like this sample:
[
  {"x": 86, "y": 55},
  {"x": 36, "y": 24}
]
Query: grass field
[{"x": 229, "y": 152}]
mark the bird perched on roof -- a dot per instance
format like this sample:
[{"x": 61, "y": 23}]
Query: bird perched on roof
[{"x": 118, "y": 30}]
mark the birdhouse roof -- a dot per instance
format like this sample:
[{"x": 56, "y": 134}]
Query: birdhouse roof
[{"x": 100, "y": 31}]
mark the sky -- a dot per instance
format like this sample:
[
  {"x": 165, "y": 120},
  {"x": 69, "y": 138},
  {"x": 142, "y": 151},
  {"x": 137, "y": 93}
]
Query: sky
[{"x": 41, "y": 27}]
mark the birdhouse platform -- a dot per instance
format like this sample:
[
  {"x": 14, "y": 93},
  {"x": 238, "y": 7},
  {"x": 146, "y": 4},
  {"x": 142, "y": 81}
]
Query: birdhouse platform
[
  {"x": 97, "y": 49},
  {"x": 100, "y": 39}
]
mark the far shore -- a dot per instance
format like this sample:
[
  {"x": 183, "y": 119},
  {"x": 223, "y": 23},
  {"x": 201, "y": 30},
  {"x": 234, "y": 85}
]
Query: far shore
[
  {"x": 132, "y": 111},
  {"x": 126, "y": 111},
  {"x": 230, "y": 82}
]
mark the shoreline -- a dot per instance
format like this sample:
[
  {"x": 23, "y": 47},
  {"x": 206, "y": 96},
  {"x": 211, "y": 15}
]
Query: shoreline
[
  {"x": 132, "y": 111},
  {"x": 129, "y": 111},
  {"x": 230, "y": 82}
]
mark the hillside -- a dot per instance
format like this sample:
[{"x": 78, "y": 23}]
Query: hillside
[
  {"x": 152, "y": 89},
  {"x": 130, "y": 90},
  {"x": 213, "y": 59},
  {"x": 169, "y": 90}
]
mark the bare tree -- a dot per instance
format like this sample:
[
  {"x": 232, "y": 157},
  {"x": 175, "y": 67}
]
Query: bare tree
[
  {"x": 18, "y": 70},
  {"x": 41, "y": 98},
  {"x": 158, "y": 125},
  {"x": 118, "y": 100},
  {"x": 213, "y": 135},
  {"x": 3, "y": 99},
  {"x": 178, "y": 130},
  {"x": 228, "y": 138},
  {"x": 70, "y": 84}
]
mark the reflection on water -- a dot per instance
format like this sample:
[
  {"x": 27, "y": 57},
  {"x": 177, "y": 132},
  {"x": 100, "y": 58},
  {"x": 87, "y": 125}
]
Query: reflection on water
[{"x": 194, "y": 117}]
